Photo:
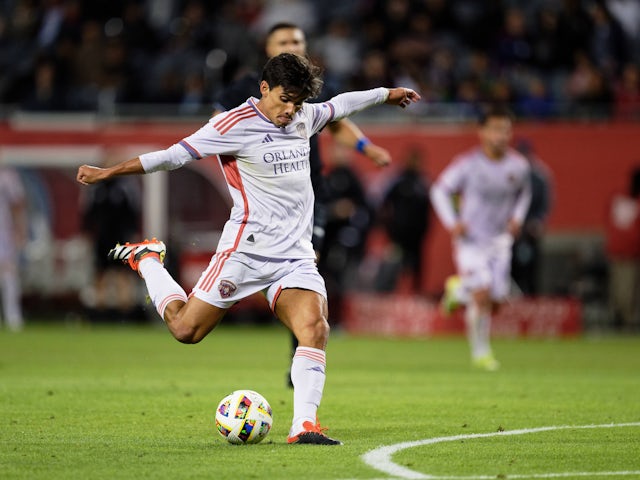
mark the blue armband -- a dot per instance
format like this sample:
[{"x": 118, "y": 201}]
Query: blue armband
[{"x": 363, "y": 142}]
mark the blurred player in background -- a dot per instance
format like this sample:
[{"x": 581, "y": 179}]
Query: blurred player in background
[
  {"x": 263, "y": 149},
  {"x": 13, "y": 236},
  {"x": 112, "y": 214},
  {"x": 289, "y": 38},
  {"x": 492, "y": 182},
  {"x": 623, "y": 251}
]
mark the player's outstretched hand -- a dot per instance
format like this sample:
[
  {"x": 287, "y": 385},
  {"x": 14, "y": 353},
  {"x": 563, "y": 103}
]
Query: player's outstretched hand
[
  {"x": 402, "y": 96},
  {"x": 88, "y": 174}
]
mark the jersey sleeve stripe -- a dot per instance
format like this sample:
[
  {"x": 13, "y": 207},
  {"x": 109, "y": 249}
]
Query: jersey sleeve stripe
[
  {"x": 230, "y": 117},
  {"x": 333, "y": 111},
  {"x": 229, "y": 126},
  {"x": 192, "y": 151}
]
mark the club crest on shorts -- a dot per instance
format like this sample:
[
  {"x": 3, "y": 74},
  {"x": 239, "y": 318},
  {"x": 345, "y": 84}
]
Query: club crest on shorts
[{"x": 226, "y": 288}]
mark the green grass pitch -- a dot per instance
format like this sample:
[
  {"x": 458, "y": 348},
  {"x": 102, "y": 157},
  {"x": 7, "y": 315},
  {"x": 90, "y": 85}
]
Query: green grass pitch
[{"x": 91, "y": 402}]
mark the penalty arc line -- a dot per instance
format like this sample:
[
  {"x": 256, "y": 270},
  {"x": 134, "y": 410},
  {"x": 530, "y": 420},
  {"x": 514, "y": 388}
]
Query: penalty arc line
[{"x": 380, "y": 458}]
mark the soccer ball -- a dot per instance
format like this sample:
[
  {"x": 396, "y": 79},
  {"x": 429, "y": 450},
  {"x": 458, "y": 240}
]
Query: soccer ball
[{"x": 244, "y": 417}]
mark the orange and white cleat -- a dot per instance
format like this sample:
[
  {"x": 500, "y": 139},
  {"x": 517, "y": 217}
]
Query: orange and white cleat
[
  {"x": 132, "y": 253},
  {"x": 313, "y": 434}
]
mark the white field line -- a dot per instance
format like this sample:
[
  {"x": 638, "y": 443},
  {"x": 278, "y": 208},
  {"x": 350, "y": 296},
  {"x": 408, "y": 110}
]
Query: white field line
[{"x": 380, "y": 458}]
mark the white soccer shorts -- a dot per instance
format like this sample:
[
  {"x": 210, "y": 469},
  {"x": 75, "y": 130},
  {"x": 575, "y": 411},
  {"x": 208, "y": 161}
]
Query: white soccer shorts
[
  {"x": 232, "y": 276},
  {"x": 485, "y": 265}
]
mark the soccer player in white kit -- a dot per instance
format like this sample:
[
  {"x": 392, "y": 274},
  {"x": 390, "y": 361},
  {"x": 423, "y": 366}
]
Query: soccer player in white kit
[
  {"x": 13, "y": 234},
  {"x": 263, "y": 150},
  {"x": 482, "y": 198}
]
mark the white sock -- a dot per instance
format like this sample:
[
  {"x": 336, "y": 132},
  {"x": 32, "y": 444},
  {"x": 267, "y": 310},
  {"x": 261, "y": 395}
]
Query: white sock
[
  {"x": 307, "y": 375},
  {"x": 162, "y": 288},
  {"x": 478, "y": 330},
  {"x": 10, "y": 286}
]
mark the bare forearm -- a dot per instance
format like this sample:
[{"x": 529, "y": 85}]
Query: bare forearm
[
  {"x": 348, "y": 134},
  {"x": 88, "y": 174}
]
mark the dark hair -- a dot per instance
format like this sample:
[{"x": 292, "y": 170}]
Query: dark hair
[
  {"x": 282, "y": 26},
  {"x": 295, "y": 74},
  {"x": 495, "y": 110}
]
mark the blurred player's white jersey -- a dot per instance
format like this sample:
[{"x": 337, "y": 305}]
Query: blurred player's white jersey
[
  {"x": 267, "y": 171},
  {"x": 11, "y": 194},
  {"x": 491, "y": 193}
]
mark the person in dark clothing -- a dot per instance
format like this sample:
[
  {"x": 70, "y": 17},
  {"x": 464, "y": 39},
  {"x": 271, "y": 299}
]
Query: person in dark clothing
[
  {"x": 112, "y": 214},
  {"x": 525, "y": 261},
  {"x": 349, "y": 219},
  {"x": 405, "y": 216}
]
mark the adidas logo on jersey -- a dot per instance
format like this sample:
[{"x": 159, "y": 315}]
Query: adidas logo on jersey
[{"x": 267, "y": 139}]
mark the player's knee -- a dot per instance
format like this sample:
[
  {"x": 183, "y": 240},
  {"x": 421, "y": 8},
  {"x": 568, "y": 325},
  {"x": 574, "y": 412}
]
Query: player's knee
[
  {"x": 188, "y": 336},
  {"x": 183, "y": 330},
  {"x": 483, "y": 298},
  {"x": 314, "y": 332}
]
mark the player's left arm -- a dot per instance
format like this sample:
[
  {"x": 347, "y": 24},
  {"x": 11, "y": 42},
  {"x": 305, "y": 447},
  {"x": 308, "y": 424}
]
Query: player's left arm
[
  {"x": 347, "y": 133},
  {"x": 18, "y": 209},
  {"x": 348, "y": 103},
  {"x": 521, "y": 207}
]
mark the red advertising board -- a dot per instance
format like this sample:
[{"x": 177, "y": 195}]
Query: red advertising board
[{"x": 413, "y": 316}]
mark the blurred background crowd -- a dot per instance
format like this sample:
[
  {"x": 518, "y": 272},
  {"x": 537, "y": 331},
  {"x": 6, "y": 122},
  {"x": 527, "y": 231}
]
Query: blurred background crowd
[{"x": 568, "y": 58}]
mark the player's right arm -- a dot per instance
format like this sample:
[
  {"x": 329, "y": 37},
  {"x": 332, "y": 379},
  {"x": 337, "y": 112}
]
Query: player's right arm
[
  {"x": 203, "y": 143},
  {"x": 441, "y": 193},
  {"x": 88, "y": 174},
  {"x": 173, "y": 157}
]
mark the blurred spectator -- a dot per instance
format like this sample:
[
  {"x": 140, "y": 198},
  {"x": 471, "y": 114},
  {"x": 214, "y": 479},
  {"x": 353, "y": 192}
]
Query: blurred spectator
[
  {"x": 608, "y": 45},
  {"x": 587, "y": 89},
  {"x": 13, "y": 236},
  {"x": 525, "y": 260},
  {"x": 627, "y": 13},
  {"x": 413, "y": 47},
  {"x": 301, "y": 12},
  {"x": 478, "y": 22},
  {"x": 405, "y": 215},
  {"x": 440, "y": 13},
  {"x": 374, "y": 71},
  {"x": 545, "y": 40},
  {"x": 574, "y": 26},
  {"x": 111, "y": 214},
  {"x": 513, "y": 46},
  {"x": 48, "y": 93},
  {"x": 339, "y": 50},
  {"x": 440, "y": 80},
  {"x": 88, "y": 60},
  {"x": 623, "y": 250},
  {"x": 627, "y": 93},
  {"x": 536, "y": 101}
]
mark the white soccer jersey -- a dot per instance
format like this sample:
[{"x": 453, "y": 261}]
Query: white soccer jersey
[
  {"x": 267, "y": 171},
  {"x": 11, "y": 194},
  {"x": 491, "y": 193}
]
